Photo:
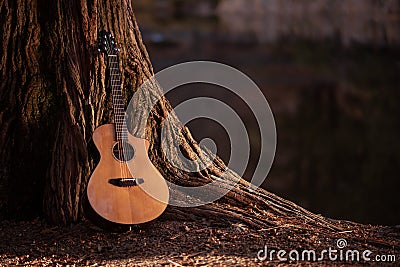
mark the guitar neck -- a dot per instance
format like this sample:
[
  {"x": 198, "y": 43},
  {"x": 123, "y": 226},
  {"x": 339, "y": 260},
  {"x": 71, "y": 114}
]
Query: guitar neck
[{"x": 117, "y": 98}]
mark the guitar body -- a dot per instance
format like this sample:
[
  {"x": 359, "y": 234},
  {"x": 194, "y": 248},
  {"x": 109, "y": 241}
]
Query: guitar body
[{"x": 123, "y": 195}]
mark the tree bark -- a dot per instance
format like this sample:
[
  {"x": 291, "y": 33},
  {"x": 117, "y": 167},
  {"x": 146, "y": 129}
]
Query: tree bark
[{"x": 53, "y": 95}]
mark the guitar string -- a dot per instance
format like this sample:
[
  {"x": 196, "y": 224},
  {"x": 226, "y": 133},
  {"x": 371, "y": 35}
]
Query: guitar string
[
  {"x": 119, "y": 137},
  {"x": 121, "y": 121},
  {"x": 122, "y": 124},
  {"x": 113, "y": 101}
]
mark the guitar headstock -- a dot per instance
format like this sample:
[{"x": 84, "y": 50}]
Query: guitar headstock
[{"x": 107, "y": 44}]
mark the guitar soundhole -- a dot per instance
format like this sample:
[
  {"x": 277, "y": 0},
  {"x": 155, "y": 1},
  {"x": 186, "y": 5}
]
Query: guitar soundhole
[{"x": 123, "y": 151}]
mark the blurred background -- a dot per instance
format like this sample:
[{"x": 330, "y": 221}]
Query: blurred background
[{"x": 330, "y": 71}]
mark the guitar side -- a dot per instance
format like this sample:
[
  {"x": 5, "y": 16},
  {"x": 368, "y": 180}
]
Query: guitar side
[{"x": 133, "y": 204}]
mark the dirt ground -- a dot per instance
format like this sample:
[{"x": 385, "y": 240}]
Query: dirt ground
[{"x": 166, "y": 242}]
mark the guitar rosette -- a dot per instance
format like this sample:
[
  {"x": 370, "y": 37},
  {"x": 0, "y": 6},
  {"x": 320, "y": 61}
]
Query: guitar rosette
[{"x": 142, "y": 104}]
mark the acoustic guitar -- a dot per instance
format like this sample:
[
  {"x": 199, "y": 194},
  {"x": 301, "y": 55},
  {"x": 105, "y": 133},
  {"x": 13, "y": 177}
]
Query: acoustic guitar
[{"x": 125, "y": 187}]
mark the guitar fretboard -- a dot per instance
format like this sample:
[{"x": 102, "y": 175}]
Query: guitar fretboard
[{"x": 117, "y": 99}]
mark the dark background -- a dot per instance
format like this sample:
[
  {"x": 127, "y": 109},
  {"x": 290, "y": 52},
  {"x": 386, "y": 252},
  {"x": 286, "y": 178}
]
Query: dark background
[{"x": 330, "y": 71}]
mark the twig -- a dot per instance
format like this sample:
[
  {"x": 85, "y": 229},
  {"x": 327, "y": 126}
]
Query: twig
[{"x": 175, "y": 263}]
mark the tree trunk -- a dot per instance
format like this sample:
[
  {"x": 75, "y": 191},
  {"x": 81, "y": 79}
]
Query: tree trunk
[{"x": 53, "y": 95}]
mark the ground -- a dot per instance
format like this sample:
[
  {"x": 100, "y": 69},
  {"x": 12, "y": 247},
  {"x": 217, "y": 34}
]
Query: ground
[{"x": 167, "y": 242}]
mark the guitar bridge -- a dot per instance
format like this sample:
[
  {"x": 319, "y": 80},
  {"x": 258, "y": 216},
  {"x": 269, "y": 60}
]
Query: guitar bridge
[{"x": 126, "y": 182}]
